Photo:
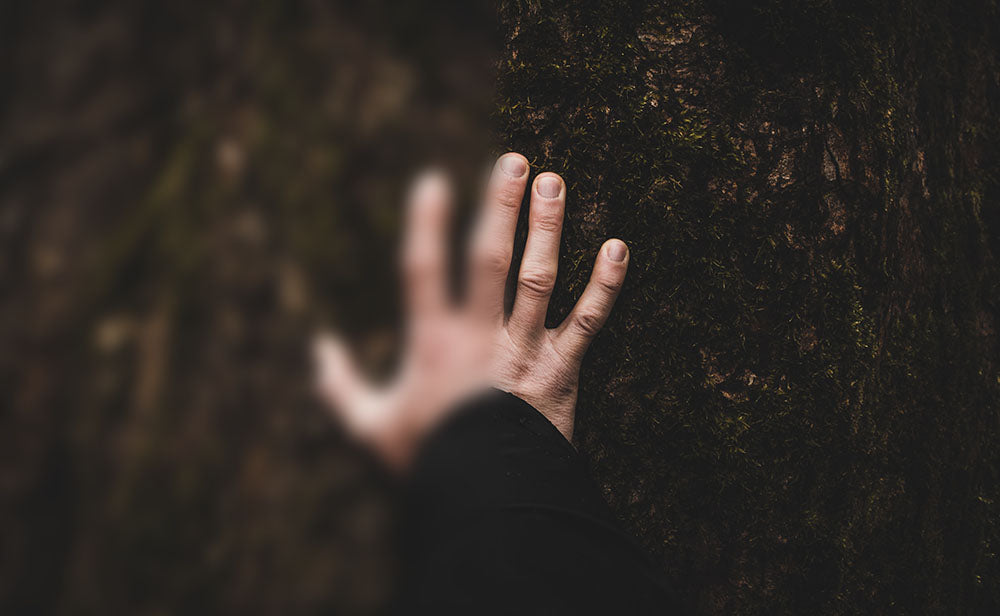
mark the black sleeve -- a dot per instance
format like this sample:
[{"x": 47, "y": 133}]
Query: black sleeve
[{"x": 501, "y": 517}]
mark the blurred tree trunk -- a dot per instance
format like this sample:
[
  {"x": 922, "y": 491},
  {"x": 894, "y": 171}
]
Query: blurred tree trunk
[{"x": 186, "y": 191}]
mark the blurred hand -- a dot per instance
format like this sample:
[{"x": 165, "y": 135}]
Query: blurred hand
[{"x": 454, "y": 350}]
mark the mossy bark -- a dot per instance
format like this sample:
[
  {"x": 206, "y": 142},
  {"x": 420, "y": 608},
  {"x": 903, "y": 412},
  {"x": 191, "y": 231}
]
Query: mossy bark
[{"x": 796, "y": 402}]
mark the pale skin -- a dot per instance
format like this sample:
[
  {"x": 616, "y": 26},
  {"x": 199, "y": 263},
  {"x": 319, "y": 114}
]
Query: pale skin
[{"x": 453, "y": 349}]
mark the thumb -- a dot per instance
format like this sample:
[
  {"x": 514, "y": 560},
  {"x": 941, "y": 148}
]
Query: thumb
[{"x": 337, "y": 379}]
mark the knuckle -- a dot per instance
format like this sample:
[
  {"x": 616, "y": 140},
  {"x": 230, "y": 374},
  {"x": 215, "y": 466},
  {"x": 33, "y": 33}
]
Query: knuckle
[
  {"x": 536, "y": 282},
  {"x": 609, "y": 284},
  {"x": 588, "y": 323},
  {"x": 548, "y": 224},
  {"x": 493, "y": 261},
  {"x": 419, "y": 263},
  {"x": 508, "y": 195}
]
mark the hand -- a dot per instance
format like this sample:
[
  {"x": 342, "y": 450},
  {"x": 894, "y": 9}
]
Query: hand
[{"x": 454, "y": 349}]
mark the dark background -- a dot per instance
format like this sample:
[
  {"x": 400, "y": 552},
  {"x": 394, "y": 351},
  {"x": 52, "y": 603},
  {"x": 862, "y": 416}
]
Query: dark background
[{"x": 794, "y": 406}]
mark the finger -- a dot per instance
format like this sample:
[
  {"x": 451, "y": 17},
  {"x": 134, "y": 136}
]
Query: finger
[
  {"x": 424, "y": 254},
  {"x": 592, "y": 309},
  {"x": 493, "y": 238},
  {"x": 338, "y": 381},
  {"x": 541, "y": 255}
]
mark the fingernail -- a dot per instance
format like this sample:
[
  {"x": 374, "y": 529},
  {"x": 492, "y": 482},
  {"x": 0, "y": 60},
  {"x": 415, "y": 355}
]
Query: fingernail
[
  {"x": 549, "y": 186},
  {"x": 617, "y": 251},
  {"x": 513, "y": 165}
]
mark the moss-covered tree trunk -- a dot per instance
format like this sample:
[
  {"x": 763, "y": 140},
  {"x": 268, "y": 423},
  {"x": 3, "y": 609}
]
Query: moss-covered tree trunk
[{"x": 796, "y": 404}]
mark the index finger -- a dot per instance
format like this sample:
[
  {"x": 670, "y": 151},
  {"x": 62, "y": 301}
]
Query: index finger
[{"x": 493, "y": 238}]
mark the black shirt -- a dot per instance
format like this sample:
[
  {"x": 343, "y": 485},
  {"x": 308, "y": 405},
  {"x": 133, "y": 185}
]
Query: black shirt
[{"x": 501, "y": 517}]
